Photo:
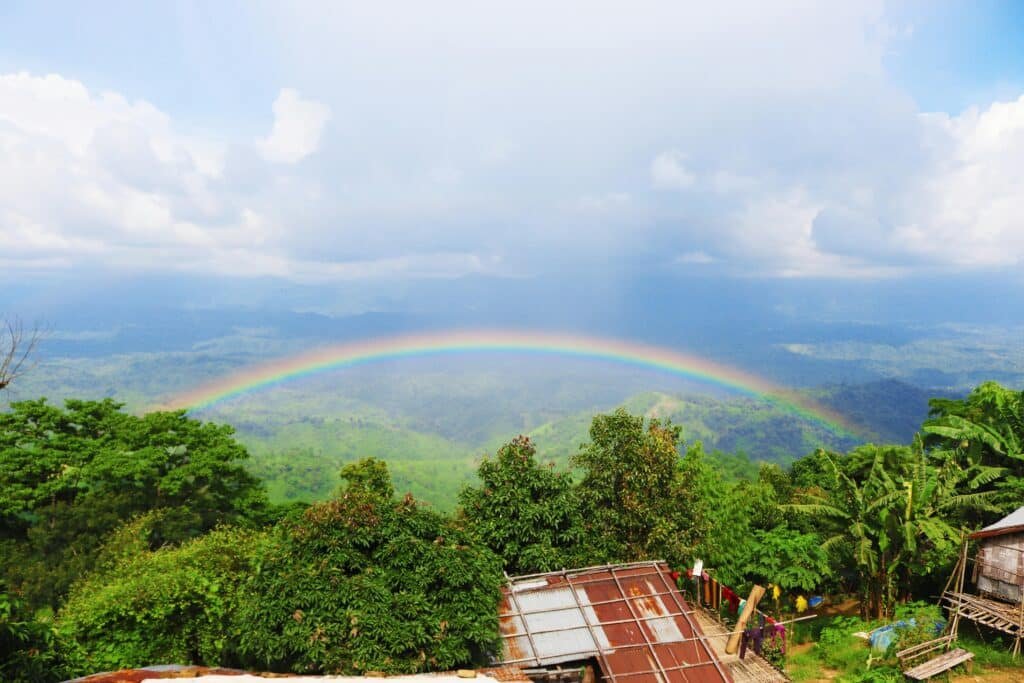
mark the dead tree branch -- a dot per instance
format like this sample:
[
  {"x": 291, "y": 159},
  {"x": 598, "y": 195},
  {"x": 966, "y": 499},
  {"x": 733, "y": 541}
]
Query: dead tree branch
[{"x": 17, "y": 345}]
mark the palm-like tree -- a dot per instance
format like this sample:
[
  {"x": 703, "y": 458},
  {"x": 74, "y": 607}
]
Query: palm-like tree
[
  {"x": 983, "y": 434},
  {"x": 889, "y": 513}
]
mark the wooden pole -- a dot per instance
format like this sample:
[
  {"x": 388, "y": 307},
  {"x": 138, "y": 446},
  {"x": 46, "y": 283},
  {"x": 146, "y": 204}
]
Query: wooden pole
[
  {"x": 960, "y": 572},
  {"x": 756, "y": 593},
  {"x": 1020, "y": 598}
]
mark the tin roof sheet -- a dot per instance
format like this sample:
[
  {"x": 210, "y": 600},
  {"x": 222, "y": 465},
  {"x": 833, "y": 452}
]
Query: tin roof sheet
[{"x": 631, "y": 618}]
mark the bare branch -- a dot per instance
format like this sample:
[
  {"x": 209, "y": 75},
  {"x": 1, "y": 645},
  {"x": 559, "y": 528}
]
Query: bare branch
[{"x": 17, "y": 345}]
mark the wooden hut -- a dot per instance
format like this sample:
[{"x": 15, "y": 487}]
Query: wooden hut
[{"x": 998, "y": 574}]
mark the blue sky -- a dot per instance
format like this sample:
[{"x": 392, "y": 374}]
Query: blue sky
[
  {"x": 319, "y": 143},
  {"x": 959, "y": 54}
]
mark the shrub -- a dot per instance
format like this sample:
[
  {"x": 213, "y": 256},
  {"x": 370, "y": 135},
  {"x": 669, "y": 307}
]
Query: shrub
[
  {"x": 29, "y": 649},
  {"x": 170, "y": 605},
  {"x": 363, "y": 583}
]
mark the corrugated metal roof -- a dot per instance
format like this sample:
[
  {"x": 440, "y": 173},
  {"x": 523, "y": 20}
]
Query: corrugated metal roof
[
  {"x": 631, "y": 618},
  {"x": 553, "y": 624},
  {"x": 1009, "y": 524}
]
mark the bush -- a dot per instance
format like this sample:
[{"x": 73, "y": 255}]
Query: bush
[
  {"x": 363, "y": 583},
  {"x": 171, "y": 605},
  {"x": 29, "y": 649},
  {"x": 838, "y": 648},
  {"x": 923, "y": 621}
]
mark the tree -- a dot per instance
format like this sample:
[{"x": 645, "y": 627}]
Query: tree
[
  {"x": 69, "y": 476},
  {"x": 788, "y": 558},
  {"x": 889, "y": 511},
  {"x": 984, "y": 434},
  {"x": 524, "y": 511},
  {"x": 16, "y": 346},
  {"x": 369, "y": 476},
  {"x": 640, "y": 498},
  {"x": 363, "y": 583},
  {"x": 629, "y": 467}
]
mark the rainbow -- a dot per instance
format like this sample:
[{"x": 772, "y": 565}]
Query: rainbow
[{"x": 663, "y": 359}]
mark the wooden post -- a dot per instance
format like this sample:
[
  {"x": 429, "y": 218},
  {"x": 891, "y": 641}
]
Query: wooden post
[
  {"x": 1020, "y": 599},
  {"x": 756, "y": 593},
  {"x": 960, "y": 572}
]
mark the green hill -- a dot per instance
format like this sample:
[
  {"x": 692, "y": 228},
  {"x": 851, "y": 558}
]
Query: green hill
[{"x": 433, "y": 420}]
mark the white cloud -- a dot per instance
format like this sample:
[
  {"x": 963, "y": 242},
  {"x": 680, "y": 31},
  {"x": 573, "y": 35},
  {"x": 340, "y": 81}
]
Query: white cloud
[
  {"x": 968, "y": 209},
  {"x": 669, "y": 172},
  {"x": 769, "y": 137},
  {"x": 298, "y": 124},
  {"x": 93, "y": 179}
]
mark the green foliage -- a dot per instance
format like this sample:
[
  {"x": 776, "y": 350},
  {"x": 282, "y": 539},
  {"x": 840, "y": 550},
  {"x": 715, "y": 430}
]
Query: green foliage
[
  {"x": 374, "y": 581},
  {"x": 788, "y": 558},
  {"x": 69, "y": 476},
  {"x": 29, "y": 648},
  {"x": 887, "y": 512},
  {"x": 170, "y": 605},
  {"x": 526, "y": 512},
  {"x": 839, "y": 649},
  {"x": 368, "y": 477},
  {"x": 363, "y": 583},
  {"x": 921, "y": 619},
  {"x": 630, "y": 469},
  {"x": 984, "y": 435}
]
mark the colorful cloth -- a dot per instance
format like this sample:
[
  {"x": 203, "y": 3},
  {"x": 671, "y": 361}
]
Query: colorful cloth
[
  {"x": 801, "y": 604},
  {"x": 780, "y": 632},
  {"x": 734, "y": 600},
  {"x": 753, "y": 638}
]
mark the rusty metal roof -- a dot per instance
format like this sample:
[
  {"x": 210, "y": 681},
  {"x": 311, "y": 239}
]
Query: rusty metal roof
[{"x": 630, "y": 617}]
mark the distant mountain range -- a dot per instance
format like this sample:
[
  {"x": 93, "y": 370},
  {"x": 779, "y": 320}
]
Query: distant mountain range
[{"x": 432, "y": 419}]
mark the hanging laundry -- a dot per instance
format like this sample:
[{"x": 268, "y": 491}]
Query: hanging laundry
[
  {"x": 815, "y": 601},
  {"x": 776, "y": 591},
  {"x": 801, "y": 604},
  {"x": 780, "y": 637},
  {"x": 734, "y": 600},
  {"x": 757, "y": 639}
]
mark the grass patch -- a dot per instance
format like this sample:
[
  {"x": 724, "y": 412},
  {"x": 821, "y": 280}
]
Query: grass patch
[{"x": 826, "y": 649}]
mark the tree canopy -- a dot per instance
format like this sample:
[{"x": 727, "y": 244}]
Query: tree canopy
[
  {"x": 525, "y": 511},
  {"x": 152, "y": 543},
  {"x": 69, "y": 476}
]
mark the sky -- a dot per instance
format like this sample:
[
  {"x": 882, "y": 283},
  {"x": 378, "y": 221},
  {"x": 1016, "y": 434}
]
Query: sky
[{"x": 335, "y": 143}]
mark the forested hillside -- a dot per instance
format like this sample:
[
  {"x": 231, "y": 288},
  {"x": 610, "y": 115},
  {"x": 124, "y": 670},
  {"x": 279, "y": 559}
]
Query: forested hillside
[{"x": 130, "y": 540}]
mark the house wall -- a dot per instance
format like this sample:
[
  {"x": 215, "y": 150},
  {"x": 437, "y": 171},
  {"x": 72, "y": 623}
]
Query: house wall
[{"x": 1000, "y": 566}]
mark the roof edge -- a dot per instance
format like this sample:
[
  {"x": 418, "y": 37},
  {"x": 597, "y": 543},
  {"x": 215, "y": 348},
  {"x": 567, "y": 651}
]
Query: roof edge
[{"x": 989, "y": 533}]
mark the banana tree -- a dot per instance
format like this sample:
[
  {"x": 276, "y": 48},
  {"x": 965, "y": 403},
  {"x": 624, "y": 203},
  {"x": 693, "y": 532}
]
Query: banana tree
[{"x": 888, "y": 514}]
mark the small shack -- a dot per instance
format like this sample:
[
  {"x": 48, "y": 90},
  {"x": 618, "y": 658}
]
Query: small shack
[
  {"x": 999, "y": 565},
  {"x": 998, "y": 574},
  {"x": 625, "y": 623}
]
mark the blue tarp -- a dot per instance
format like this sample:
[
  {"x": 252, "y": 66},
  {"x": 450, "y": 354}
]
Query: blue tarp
[{"x": 882, "y": 638}]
